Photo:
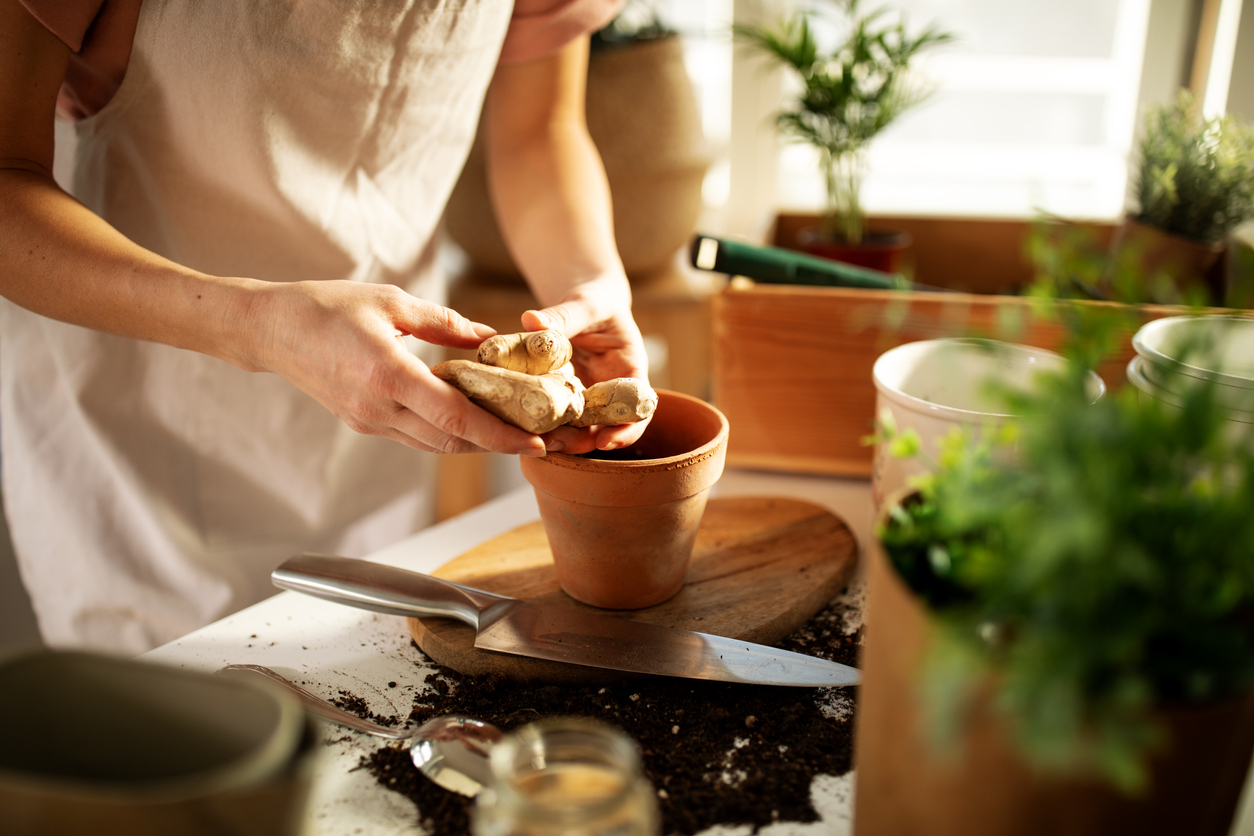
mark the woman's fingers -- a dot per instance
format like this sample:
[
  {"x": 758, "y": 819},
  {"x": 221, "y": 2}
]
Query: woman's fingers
[
  {"x": 438, "y": 325},
  {"x": 438, "y": 415},
  {"x": 336, "y": 341}
]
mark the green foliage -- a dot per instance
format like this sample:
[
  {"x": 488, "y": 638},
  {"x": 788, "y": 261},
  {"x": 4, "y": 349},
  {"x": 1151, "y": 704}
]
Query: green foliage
[
  {"x": 1195, "y": 176},
  {"x": 1092, "y": 563},
  {"x": 849, "y": 93},
  {"x": 1072, "y": 264}
]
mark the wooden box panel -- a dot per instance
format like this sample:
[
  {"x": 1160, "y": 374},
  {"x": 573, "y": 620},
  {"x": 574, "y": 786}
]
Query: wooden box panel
[
  {"x": 792, "y": 365},
  {"x": 974, "y": 255}
]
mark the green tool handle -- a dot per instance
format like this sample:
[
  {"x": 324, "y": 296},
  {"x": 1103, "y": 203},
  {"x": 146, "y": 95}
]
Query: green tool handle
[{"x": 777, "y": 265}]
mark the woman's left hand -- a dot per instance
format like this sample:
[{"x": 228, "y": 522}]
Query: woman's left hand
[{"x": 596, "y": 318}]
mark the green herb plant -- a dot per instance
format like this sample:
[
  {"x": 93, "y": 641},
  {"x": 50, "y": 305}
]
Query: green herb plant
[
  {"x": 1091, "y": 563},
  {"x": 849, "y": 94},
  {"x": 1195, "y": 176}
]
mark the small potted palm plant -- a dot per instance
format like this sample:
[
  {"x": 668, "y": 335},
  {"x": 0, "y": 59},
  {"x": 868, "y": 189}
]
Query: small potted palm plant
[
  {"x": 1192, "y": 184},
  {"x": 848, "y": 95},
  {"x": 1060, "y": 633}
]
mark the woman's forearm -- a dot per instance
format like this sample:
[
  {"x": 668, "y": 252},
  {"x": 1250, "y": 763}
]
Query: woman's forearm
[
  {"x": 60, "y": 260},
  {"x": 547, "y": 181}
]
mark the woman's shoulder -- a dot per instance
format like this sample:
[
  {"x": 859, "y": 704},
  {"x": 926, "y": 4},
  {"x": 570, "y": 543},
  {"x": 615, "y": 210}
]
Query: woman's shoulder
[
  {"x": 542, "y": 27},
  {"x": 100, "y": 33}
]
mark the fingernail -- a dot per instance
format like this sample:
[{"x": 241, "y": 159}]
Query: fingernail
[
  {"x": 543, "y": 317},
  {"x": 534, "y": 452},
  {"x": 482, "y": 331},
  {"x": 613, "y": 445},
  {"x": 555, "y": 446}
]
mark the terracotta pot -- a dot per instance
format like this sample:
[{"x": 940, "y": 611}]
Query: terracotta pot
[
  {"x": 986, "y": 789},
  {"x": 643, "y": 117},
  {"x": 880, "y": 249},
  {"x": 1189, "y": 265},
  {"x": 621, "y": 526}
]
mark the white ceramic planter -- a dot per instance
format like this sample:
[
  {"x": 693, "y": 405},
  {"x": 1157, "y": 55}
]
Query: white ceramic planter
[{"x": 937, "y": 386}]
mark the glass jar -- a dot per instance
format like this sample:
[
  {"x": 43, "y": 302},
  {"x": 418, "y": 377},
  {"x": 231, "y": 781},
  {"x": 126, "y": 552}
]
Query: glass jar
[{"x": 566, "y": 777}]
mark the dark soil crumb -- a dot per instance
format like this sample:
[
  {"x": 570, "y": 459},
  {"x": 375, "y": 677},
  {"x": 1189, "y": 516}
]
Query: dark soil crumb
[
  {"x": 351, "y": 702},
  {"x": 717, "y": 753}
]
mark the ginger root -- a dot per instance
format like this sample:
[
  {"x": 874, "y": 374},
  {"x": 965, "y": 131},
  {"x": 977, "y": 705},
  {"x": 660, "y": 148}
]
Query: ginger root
[
  {"x": 534, "y": 403},
  {"x": 527, "y": 380},
  {"x": 624, "y": 400},
  {"x": 535, "y": 352}
]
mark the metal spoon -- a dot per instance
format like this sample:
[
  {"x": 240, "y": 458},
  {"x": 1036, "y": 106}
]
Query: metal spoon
[{"x": 451, "y": 751}]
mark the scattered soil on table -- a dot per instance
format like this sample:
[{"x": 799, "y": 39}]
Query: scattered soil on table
[
  {"x": 716, "y": 753},
  {"x": 357, "y": 705}
]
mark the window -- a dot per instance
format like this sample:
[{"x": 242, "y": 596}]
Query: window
[{"x": 1035, "y": 108}]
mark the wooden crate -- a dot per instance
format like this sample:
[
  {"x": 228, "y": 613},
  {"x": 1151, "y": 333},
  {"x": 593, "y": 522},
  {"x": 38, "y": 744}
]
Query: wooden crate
[{"x": 793, "y": 365}]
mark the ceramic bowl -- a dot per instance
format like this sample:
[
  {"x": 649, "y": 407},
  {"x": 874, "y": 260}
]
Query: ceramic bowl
[
  {"x": 98, "y": 744},
  {"x": 936, "y": 386},
  {"x": 1182, "y": 351}
]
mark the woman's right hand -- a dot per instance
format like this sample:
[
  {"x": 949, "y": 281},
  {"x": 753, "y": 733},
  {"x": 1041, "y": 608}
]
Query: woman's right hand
[{"x": 340, "y": 342}]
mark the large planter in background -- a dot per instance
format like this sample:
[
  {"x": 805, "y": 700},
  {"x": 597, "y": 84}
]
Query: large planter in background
[
  {"x": 983, "y": 787},
  {"x": 643, "y": 117}
]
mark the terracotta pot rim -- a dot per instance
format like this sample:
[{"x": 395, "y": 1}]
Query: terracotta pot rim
[
  {"x": 872, "y": 239},
  {"x": 690, "y": 459}
]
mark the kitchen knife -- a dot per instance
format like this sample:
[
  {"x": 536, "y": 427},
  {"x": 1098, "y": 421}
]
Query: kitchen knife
[{"x": 560, "y": 634}]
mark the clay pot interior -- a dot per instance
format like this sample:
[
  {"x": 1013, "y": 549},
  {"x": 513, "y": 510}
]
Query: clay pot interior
[
  {"x": 685, "y": 428},
  {"x": 621, "y": 525}
]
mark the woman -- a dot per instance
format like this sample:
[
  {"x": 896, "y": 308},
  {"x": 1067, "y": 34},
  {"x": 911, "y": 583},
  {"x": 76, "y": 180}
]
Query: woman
[{"x": 207, "y": 363}]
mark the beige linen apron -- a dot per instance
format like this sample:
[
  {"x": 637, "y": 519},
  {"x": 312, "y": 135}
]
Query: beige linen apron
[{"x": 150, "y": 490}]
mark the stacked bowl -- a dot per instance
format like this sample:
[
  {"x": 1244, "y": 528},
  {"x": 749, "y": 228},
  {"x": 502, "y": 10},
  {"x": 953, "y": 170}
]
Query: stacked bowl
[{"x": 1177, "y": 354}]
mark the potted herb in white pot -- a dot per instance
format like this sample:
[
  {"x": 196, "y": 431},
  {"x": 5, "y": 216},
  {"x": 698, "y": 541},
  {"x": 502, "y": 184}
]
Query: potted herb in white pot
[
  {"x": 1062, "y": 641},
  {"x": 1192, "y": 185},
  {"x": 848, "y": 95}
]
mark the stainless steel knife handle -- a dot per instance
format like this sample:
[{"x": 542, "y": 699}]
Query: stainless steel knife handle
[{"x": 380, "y": 588}]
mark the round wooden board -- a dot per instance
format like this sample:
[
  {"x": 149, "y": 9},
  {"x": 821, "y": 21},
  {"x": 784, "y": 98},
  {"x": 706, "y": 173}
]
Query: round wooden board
[{"x": 761, "y": 568}]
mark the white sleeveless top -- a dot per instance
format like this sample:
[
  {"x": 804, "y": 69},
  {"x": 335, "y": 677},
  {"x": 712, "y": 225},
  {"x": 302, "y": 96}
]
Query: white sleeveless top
[{"x": 150, "y": 490}]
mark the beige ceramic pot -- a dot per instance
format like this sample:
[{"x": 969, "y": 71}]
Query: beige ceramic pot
[
  {"x": 984, "y": 788},
  {"x": 110, "y": 746},
  {"x": 643, "y": 117},
  {"x": 622, "y": 526}
]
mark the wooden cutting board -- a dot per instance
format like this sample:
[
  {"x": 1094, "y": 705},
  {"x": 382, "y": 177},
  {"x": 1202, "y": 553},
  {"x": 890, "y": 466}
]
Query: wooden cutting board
[{"x": 760, "y": 569}]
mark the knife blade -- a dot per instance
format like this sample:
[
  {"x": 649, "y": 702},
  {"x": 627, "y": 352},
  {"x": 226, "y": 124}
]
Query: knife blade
[{"x": 559, "y": 634}]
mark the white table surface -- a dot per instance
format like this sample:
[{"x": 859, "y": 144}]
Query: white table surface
[{"x": 329, "y": 648}]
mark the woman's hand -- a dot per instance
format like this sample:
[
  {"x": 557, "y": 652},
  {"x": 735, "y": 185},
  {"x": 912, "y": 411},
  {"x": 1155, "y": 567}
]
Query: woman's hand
[
  {"x": 340, "y": 342},
  {"x": 596, "y": 318}
]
